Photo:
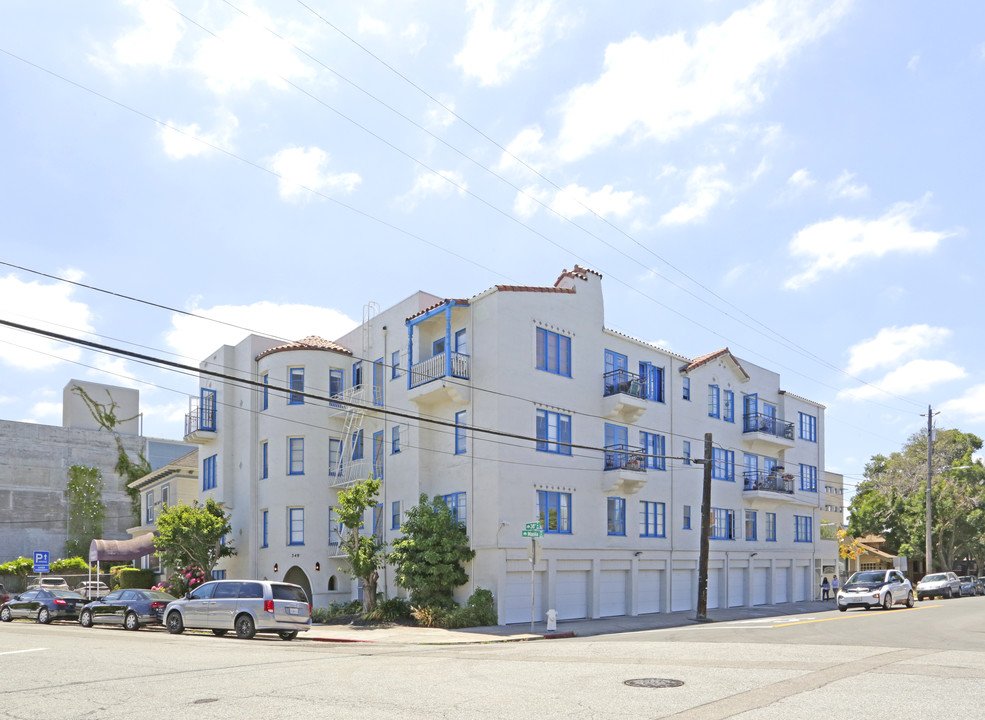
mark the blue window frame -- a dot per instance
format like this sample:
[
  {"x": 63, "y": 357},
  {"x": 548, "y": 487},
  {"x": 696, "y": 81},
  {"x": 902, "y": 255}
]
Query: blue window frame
[
  {"x": 264, "y": 460},
  {"x": 395, "y": 364},
  {"x": 218, "y": 574},
  {"x": 336, "y": 382},
  {"x": 655, "y": 447},
  {"x": 553, "y": 352},
  {"x": 296, "y": 378},
  {"x": 209, "y": 473},
  {"x": 378, "y": 455},
  {"x": 334, "y": 527},
  {"x": 722, "y": 524},
  {"x": 808, "y": 478},
  {"x": 378, "y": 382},
  {"x": 714, "y": 402},
  {"x": 723, "y": 464},
  {"x": 652, "y": 519},
  {"x": 461, "y": 342},
  {"x": 357, "y": 374},
  {"x": 554, "y": 510},
  {"x": 395, "y": 515},
  {"x": 686, "y": 452},
  {"x": 378, "y": 522},
  {"x": 460, "y": 446},
  {"x": 295, "y": 456},
  {"x": 553, "y": 429},
  {"x": 334, "y": 456},
  {"x": 437, "y": 347},
  {"x": 750, "y": 524},
  {"x": 264, "y": 527},
  {"x": 686, "y": 388},
  {"x": 357, "y": 445},
  {"x": 295, "y": 526},
  {"x": 653, "y": 381},
  {"x": 266, "y": 392},
  {"x": 770, "y": 527},
  {"x": 687, "y": 517},
  {"x": 616, "y": 363},
  {"x": 207, "y": 410},
  {"x": 394, "y": 439},
  {"x": 803, "y": 528},
  {"x": 456, "y": 503},
  {"x": 808, "y": 427},
  {"x": 615, "y": 515},
  {"x": 728, "y": 409}
]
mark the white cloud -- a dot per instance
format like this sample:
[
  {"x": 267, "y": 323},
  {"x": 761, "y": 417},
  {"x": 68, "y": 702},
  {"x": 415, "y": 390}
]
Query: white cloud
[
  {"x": 120, "y": 370},
  {"x": 492, "y": 53},
  {"x": 428, "y": 184},
  {"x": 438, "y": 117},
  {"x": 659, "y": 88},
  {"x": 371, "y": 26},
  {"x": 841, "y": 242},
  {"x": 970, "y": 406},
  {"x": 891, "y": 345},
  {"x": 528, "y": 147},
  {"x": 915, "y": 376},
  {"x": 154, "y": 42},
  {"x": 304, "y": 169},
  {"x": 415, "y": 36},
  {"x": 704, "y": 189},
  {"x": 194, "y": 339},
  {"x": 914, "y": 61},
  {"x": 47, "y": 413},
  {"x": 49, "y": 307},
  {"x": 800, "y": 180},
  {"x": 843, "y": 187},
  {"x": 733, "y": 276},
  {"x": 575, "y": 200},
  {"x": 189, "y": 140}
]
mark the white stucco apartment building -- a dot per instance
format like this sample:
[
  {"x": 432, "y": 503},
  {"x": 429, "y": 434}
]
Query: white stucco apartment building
[{"x": 591, "y": 431}]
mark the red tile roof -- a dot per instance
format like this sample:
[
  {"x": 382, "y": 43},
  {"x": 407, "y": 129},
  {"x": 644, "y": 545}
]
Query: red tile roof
[
  {"x": 698, "y": 362},
  {"x": 312, "y": 342},
  {"x": 579, "y": 272}
]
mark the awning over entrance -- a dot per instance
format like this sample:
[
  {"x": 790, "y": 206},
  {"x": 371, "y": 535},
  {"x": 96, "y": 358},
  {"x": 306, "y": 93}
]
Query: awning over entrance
[{"x": 100, "y": 550}]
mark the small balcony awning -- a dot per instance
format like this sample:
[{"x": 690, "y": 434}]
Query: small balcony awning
[{"x": 122, "y": 550}]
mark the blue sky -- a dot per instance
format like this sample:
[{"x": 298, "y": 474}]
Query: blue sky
[{"x": 799, "y": 181}]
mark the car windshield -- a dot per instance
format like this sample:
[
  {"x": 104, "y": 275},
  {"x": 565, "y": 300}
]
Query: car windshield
[
  {"x": 157, "y": 595},
  {"x": 965, "y": 578},
  {"x": 940, "y": 577},
  {"x": 867, "y": 578}
]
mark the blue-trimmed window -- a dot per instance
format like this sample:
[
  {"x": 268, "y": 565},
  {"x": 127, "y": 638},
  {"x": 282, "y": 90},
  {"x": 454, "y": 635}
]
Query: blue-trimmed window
[
  {"x": 395, "y": 364},
  {"x": 334, "y": 527},
  {"x": 723, "y": 464},
  {"x": 685, "y": 388},
  {"x": 655, "y": 447},
  {"x": 378, "y": 382},
  {"x": 209, "y": 473},
  {"x": 553, "y": 352},
  {"x": 218, "y": 574},
  {"x": 687, "y": 517},
  {"x": 714, "y": 402},
  {"x": 460, "y": 445},
  {"x": 652, "y": 519},
  {"x": 357, "y": 445},
  {"x": 295, "y": 456},
  {"x": 207, "y": 410},
  {"x": 394, "y": 439},
  {"x": 336, "y": 382},
  {"x": 461, "y": 342},
  {"x": 728, "y": 409},
  {"x": 615, "y": 515},
  {"x": 808, "y": 477},
  {"x": 334, "y": 456},
  {"x": 553, "y": 429},
  {"x": 750, "y": 524},
  {"x": 266, "y": 391},
  {"x": 149, "y": 507},
  {"x": 803, "y": 528},
  {"x": 378, "y": 455},
  {"x": 295, "y": 526},
  {"x": 438, "y": 347},
  {"x": 296, "y": 383},
  {"x": 722, "y": 524},
  {"x": 264, "y": 527},
  {"x": 686, "y": 452},
  {"x": 378, "y": 522},
  {"x": 264, "y": 460},
  {"x": 456, "y": 503},
  {"x": 357, "y": 374},
  {"x": 554, "y": 510},
  {"x": 770, "y": 527},
  {"x": 395, "y": 515},
  {"x": 653, "y": 381},
  {"x": 808, "y": 427}
]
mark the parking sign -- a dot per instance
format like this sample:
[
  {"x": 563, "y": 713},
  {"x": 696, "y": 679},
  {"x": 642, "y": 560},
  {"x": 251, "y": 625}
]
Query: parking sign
[{"x": 41, "y": 561}]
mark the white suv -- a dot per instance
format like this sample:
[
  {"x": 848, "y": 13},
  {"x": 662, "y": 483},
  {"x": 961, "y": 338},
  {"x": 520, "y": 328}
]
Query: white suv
[
  {"x": 942, "y": 584},
  {"x": 51, "y": 582},
  {"x": 875, "y": 588}
]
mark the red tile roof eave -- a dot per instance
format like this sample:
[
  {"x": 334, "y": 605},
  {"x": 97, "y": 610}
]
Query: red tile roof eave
[
  {"x": 534, "y": 288},
  {"x": 455, "y": 302},
  {"x": 312, "y": 342},
  {"x": 698, "y": 362}
]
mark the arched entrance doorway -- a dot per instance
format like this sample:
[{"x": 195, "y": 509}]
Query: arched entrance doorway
[{"x": 297, "y": 576}]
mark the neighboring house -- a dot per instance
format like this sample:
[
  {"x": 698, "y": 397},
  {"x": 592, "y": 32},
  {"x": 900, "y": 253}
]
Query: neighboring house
[
  {"x": 873, "y": 556},
  {"x": 176, "y": 482},
  {"x": 833, "y": 517},
  {"x": 621, "y": 524}
]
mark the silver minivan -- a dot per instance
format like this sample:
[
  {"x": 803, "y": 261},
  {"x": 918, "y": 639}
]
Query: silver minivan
[{"x": 246, "y": 606}]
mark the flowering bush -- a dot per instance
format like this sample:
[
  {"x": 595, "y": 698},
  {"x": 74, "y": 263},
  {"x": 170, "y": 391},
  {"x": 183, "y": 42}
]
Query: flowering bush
[{"x": 181, "y": 581}]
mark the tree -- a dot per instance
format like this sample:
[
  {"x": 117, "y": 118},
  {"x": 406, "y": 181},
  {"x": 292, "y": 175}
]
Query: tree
[
  {"x": 192, "y": 536},
  {"x": 364, "y": 552},
  {"x": 430, "y": 555},
  {"x": 86, "y": 509}
]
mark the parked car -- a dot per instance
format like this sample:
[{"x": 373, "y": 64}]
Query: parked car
[
  {"x": 52, "y": 582},
  {"x": 967, "y": 585},
  {"x": 942, "y": 584},
  {"x": 130, "y": 607},
  {"x": 92, "y": 589},
  {"x": 875, "y": 588},
  {"x": 246, "y": 606},
  {"x": 979, "y": 586},
  {"x": 43, "y": 605}
]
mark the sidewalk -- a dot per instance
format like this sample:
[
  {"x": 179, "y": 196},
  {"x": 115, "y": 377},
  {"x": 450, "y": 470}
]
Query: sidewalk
[{"x": 400, "y": 634}]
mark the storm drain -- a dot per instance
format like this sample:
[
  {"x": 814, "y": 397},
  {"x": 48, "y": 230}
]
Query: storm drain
[{"x": 654, "y": 683}]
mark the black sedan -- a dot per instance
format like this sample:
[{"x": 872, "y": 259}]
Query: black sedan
[
  {"x": 43, "y": 605},
  {"x": 130, "y": 608}
]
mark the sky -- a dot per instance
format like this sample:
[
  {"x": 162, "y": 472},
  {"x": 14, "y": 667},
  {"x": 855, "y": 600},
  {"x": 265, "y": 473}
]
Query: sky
[{"x": 798, "y": 181}]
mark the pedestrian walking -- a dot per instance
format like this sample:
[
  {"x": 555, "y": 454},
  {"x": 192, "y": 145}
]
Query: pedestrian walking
[
  {"x": 834, "y": 587},
  {"x": 825, "y": 589}
]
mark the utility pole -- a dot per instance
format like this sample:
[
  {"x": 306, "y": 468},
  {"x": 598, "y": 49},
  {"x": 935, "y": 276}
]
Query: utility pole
[
  {"x": 702, "y": 613},
  {"x": 928, "y": 551}
]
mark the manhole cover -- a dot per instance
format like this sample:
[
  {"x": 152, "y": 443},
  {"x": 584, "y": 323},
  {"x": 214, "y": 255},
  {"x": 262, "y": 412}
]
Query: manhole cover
[{"x": 654, "y": 683}]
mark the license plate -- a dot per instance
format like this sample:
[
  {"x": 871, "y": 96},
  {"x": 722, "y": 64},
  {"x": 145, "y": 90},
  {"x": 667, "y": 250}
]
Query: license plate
[{"x": 293, "y": 611}]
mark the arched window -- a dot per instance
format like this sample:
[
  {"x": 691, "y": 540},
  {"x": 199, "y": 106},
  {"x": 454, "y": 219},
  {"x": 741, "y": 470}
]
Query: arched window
[{"x": 331, "y": 583}]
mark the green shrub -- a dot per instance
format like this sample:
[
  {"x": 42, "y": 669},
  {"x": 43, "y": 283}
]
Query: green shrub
[
  {"x": 324, "y": 614},
  {"x": 391, "y": 610},
  {"x": 75, "y": 565},
  {"x": 479, "y": 611},
  {"x": 21, "y": 566},
  {"x": 134, "y": 578},
  {"x": 430, "y": 615}
]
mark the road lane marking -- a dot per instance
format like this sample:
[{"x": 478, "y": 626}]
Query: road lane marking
[
  {"x": 15, "y": 652},
  {"x": 846, "y": 616}
]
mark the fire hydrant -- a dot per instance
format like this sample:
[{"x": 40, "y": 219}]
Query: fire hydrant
[{"x": 552, "y": 621}]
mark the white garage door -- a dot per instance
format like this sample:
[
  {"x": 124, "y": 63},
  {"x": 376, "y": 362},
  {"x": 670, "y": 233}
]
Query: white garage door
[
  {"x": 683, "y": 593},
  {"x": 800, "y": 583},
  {"x": 572, "y": 594},
  {"x": 780, "y": 584},
  {"x": 760, "y": 578},
  {"x": 713, "y": 587},
  {"x": 648, "y": 586},
  {"x": 612, "y": 595},
  {"x": 518, "y": 598},
  {"x": 736, "y": 587}
]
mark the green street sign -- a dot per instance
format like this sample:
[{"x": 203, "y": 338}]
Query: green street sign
[
  {"x": 533, "y": 526},
  {"x": 533, "y": 533}
]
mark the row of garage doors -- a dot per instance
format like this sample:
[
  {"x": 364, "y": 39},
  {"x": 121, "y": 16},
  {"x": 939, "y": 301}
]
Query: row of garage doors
[{"x": 573, "y": 591}]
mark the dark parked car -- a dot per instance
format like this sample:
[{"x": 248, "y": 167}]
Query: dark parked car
[
  {"x": 130, "y": 608},
  {"x": 43, "y": 605},
  {"x": 967, "y": 585}
]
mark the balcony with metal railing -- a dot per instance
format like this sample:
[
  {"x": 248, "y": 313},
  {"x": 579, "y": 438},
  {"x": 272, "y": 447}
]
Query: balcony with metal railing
[
  {"x": 767, "y": 433},
  {"x": 625, "y": 469},
  {"x": 624, "y": 396},
  {"x": 200, "y": 420},
  {"x": 771, "y": 485},
  {"x": 439, "y": 378}
]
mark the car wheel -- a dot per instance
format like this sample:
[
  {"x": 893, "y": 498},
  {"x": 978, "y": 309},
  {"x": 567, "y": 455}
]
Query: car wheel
[
  {"x": 887, "y": 602},
  {"x": 909, "y": 599},
  {"x": 130, "y": 621},
  {"x": 175, "y": 624},
  {"x": 948, "y": 594},
  {"x": 5, "y": 615},
  {"x": 288, "y": 634},
  {"x": 958, "y": 594},
  {"x": 85, "y": 619},
  {"x": 44, "y": 616},
  {"x": 245, "y": 628},
  {"x": 219, "y": 633},
  {"x": 842, "y": 609}
]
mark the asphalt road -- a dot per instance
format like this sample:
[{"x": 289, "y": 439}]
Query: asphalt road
[{"x": 928, "y": 661}]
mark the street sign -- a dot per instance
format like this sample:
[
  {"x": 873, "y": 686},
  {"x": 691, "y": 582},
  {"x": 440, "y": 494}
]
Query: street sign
[
  {"x": 41, "y": 561},
  {"x": 533, "y": 526},
  {"x": 533, "y": 533}
]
